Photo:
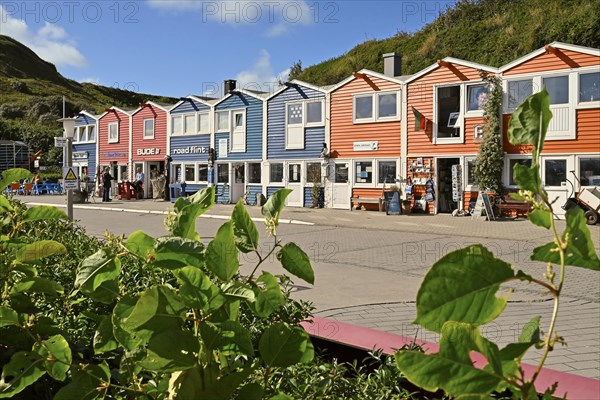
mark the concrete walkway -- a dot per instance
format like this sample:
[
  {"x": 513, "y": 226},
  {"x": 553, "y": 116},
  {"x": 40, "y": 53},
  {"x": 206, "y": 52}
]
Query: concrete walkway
[{"x": 389, "y": 304}]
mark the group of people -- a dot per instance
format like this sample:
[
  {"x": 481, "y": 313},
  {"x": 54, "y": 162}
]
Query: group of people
[{"x": 107, "y": 179}]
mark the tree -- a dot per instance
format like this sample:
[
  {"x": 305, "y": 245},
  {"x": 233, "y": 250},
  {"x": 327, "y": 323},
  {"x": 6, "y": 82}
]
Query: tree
[
  {"x": 490, "y": 161},
  {"x": 295, "y": 70}
]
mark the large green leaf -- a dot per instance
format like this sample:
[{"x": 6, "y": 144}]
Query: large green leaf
[
  {"x": 222, "y": 254},
  {"x": 22, "y": 370},
  {"x": 541, "y": 218},
  {"x": 37, "y": 284},
  {"x": 8, "y": 317},
  {"x": 57, "y": 356},
  {"x": 273, "y": 207},
  {"x": 238, "y": 290},
  {"x": 271, "y": 298},
  {"x": 97, "y": 269},
  {"x": 452, "y": 369},
  {"x": 580, "y": 250},
  {"x": 174, "y": 252},
  {"x": 251, "y": 391},
  {"x": 528, "y": 178},
  {"x": 13, "y": 175},
  {"x": 189, "y": 209},
  {"x": 197, "y": 290},
  {"x": 43, "y": 213},
  {"x": 35, "y": 251},
  {"x": 244, "y": 229},
  {"x": 140, "y": 244},
  {"x": 89, "y": 382},
  {"x": 106, "y": 293},
  {"x": 206, "y": 383},
  {"x": 104, "y": 339},
  {"x": 461, "y": 287},
  {"x": 282, "y": 345},
  {"x": 4, "y": 204},
  {"x": 529, "y": 123},
  {"x": 169, "y": 351},
  {"x": 122, "y": 310},
  {"x": 296, "y": 262},
  {"x": 229, "y": 337},
  {"x": 158, "y": 309}
]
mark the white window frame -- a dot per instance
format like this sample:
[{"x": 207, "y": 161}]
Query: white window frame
[
  {"x": 114, "y": 139},
  {"x": 299, "y": 126},
  {"x": 468, "y": 187},
  {"x": 585, "y": 104},
  {"x": 282, "y": 182},
  {"x": 88, "y": 128},
  {"x": 307, "y": 182},
  {"x": 198, "y": 125},
  {"x": 75, "y": 138},
  {"x": 577, "y": 167},
  {"x": 173, "y": 117},
  {"x": 184, "y": 166},
  {"x": 473, "y": 113},
  {"x": 184, "y": 119},
  {"x": 461, "y": 117},
  {"x": 507, "y": 160},
  {"x": 217, "y": 127},
  {"x": 305, "y": 113},
  {"x": 219, "y": 166},
  {"x": 373, "y": 182},
  {"x": 376, "y": 173},
  {"x": 144, "y": 136},
  {"x": 375, "y": 107},
  {"x": 237, "y": 146}
]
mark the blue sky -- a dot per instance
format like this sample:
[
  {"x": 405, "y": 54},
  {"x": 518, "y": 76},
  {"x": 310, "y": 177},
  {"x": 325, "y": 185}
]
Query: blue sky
[{"x": 180, "y": 47}]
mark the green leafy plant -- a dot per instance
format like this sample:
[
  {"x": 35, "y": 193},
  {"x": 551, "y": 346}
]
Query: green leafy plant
[
  {"x": 458, "y": 294},
  {"x": 186, "y": 332}
]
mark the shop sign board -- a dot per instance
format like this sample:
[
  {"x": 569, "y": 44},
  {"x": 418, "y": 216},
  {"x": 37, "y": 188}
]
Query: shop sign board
[{"x": 366, "y": 146}]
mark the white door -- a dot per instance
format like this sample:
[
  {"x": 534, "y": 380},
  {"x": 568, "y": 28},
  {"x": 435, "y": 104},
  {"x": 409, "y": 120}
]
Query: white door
[
  {"x": 340, "y": 181},
  {"x": 555, "y": 170},
  {"x": 238, "y": 182},
  {"x": 294, "y": 181}
]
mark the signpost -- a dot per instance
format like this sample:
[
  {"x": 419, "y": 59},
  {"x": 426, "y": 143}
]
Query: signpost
[{"x": 60, "y": 141}]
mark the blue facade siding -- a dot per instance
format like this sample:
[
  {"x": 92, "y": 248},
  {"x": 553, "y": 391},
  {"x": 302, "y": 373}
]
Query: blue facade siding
[
  {"x": 91, "y": 160},
  {"x": 308, "y": 202},
  {"x": 272, "y": 189},
  {"x": 189, "y": 107},
  {"x": 186, "y": 141},
  {"x": 253, "y": 190},
  {"x": 83, "y": 119},
  {"x": 222, "y": 194},
  {"x": 314, "y": 137},
  {"x": 191, "y": 188},
  {"x": 254, "y": 128}
]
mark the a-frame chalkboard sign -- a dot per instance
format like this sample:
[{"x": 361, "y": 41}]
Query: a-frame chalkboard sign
[{"x": 483, "y": 202}]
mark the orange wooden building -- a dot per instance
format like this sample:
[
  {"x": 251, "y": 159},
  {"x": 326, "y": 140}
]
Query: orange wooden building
[
  {"x": 571, "y": 74},
  {"x": 365, "y": 134}
]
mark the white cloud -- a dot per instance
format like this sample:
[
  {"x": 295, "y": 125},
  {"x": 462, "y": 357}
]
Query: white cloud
[
  {"x": 277, "y": 30},
  {"x": 261, "y": 75},
  {"x": 50, "y": 42},
  {"x": 95, "y": 81},
  {"x": 176, "y": 5}
]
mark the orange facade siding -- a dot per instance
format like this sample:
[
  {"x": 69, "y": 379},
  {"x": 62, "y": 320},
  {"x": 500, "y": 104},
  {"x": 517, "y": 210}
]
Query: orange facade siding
[
  {"x": 587, "y": 139},
  {"x": 113, "y": 152},
  {"x": 344, "y": 132},
  {"x": 159, "y": 142},
  {"x": 550, "y": 62},
  {"x": 420, "y": 95}
]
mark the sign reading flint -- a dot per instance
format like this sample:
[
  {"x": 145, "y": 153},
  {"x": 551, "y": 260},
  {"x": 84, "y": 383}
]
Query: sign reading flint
[{"x": 190, "y": 150}]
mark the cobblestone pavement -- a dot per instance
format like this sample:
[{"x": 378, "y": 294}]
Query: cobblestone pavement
[{"x": 369, "y": 266}]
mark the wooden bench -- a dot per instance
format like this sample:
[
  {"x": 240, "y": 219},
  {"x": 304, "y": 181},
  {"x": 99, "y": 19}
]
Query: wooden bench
[
  {"x": 372, "y": 200},
  {"x": 521, "y": 208}
]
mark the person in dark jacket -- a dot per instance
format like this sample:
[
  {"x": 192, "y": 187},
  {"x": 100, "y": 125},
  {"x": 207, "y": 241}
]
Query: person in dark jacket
[{"x": 106, "y": 178}]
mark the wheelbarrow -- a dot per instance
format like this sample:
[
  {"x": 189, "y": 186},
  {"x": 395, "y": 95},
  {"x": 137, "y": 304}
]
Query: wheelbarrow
[{"x": 588, "y": 199}]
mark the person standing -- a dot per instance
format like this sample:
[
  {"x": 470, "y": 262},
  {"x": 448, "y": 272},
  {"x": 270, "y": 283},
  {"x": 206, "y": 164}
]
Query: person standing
[
  {"x": 106, "y": 182},
  {"x": 139, "y": 183}
]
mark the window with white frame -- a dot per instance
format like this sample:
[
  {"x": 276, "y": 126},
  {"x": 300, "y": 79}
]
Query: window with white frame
[
  {"x": 477, "y": 97},
  {"x": 589, "y": 171},
  {"x": 222, "y": 121},
  {"x": 176, "y": 125},
  {"x": 91, "y": 133},
  {"x": 149, "y": 128},
  {"x": 511, "y": 168},
  {"x": 373, "y": 107},
  {"x": 558, "y": 89},
  {"x": 189, "y": 124},
  {"x": 314, "y": 113},
  {"x": 518, "y": 91},
  {"x": 276, "y": 172},
  {"x": 294, "y": 128},
  {"x": 448, "y": 112},
  {"x": 202, "y": 172},
  {"x": 386, "y": 172},
  {"x": 294, "y": 173},
  {"x": 470, "y": 166},
  {"x": 203, "y": 123},
  {"x": 113, "y": 132},
  {"x": 254, "y": 172},
  {"x": 75, "y": 137},
  {"x": 83, "y": 137},
  {"x": 555, "y": 171},
  {"x": 589, "y": 87},
  {"x": 238, "y": 133},
  {"x": 222, "y": 173},
  {"x": 313, "y": 172},
  {"x": 176, "y": 169},
  {"x": 341, "y": 173},
  {"x": 363, "y": 172},
  {"x": 190, "y": 173}
]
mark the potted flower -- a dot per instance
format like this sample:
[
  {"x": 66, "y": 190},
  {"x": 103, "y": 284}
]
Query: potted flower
[{"x": 406, "y": 206}]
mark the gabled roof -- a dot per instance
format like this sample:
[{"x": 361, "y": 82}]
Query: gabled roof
[
  {"x": 540, "y": 51},
  {"x": 452, "y": 60},
  {"x": 89, "y": 114},
  {"x": 163, "y": 106},
  {"x": 297, "y": 82},
  {"x": 121, "y": 110},
  {"x": 209, "y": 101},
  {"x": 262, "y": 96},
  {"x": 396, "y": 79}
]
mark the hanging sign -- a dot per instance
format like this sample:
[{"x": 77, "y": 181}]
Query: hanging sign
[
  {"x": 457, "y": 183},
  {"x": 365, "y": 146}
]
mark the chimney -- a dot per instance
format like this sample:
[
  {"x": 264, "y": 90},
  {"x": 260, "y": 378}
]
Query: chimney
[
  {"x": 229, "y": 86},
  {"x": 392, "y": 64}
]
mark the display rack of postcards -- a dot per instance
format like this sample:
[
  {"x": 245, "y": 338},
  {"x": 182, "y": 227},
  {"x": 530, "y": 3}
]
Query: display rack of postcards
[{"x": 420, "y": 171}]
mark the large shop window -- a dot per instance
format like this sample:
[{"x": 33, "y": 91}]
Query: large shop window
[
  {"x": 313, "y": 172},
  {"x": 448, "y": 112},
  {"x": 518, "y": 91},
  {"x": 113, "y": 132},
  {"x": 341, "y": 173},
  {"x": 387, "y": 171},
  {"x": 589, "y": 87},
  {"x": 149, "y": 129},
  {"x": 364, "y": 171},
  {"x": 555, "y": 172},
  {"x": 238, "y": 136},
  {"x": 190, "y": 173},
  {"x": 374, "y": 107},
  {"x": 254, "y": 172},
  {"x": 511, "y": 168},
  {"x": 276, "y": 173},
  {"x": 176, "y": 125},
  {"x": 223, "y": 173},
  {"x": 202, "y": 172},
  {"x": 589, "y": 171}
]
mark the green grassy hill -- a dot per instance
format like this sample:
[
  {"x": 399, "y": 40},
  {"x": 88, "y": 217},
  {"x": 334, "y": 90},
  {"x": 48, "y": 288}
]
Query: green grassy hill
[{"x": 491, "y": 32}]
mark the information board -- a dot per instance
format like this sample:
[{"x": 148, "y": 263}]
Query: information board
[
  {"x": 392, "y": 205},
  {"x": 483, "y": 203}
]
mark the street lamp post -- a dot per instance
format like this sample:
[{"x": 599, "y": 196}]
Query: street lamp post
[{"x": 68, "y": 130}]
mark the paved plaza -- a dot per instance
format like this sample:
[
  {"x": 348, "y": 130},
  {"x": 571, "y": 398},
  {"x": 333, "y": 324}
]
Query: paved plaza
[{"x": 369, "y": 266}]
